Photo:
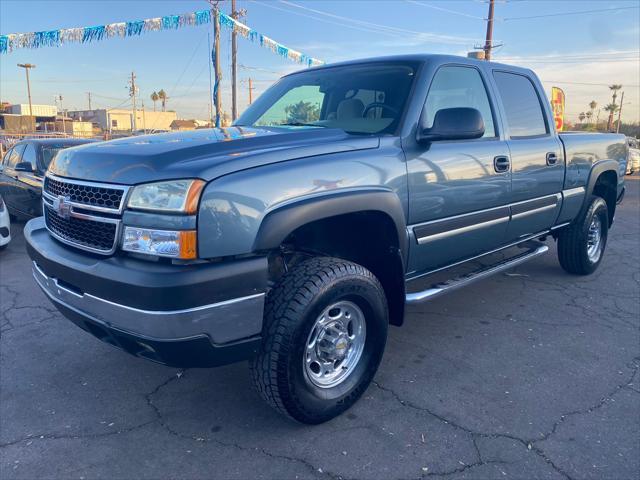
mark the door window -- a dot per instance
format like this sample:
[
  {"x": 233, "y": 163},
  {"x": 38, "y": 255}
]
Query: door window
[
  {"x": 5, "y": 159},
  {"x": 521, "y": 104},
  {"x": 30, "y": 156},
  {"x": 14, "y": 156},
  {"x": 454, "y": 87}
]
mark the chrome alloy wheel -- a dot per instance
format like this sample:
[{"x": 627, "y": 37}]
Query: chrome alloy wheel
[
  {"x": 335, "y": 344},
  {"x": 594, "y": 240}
]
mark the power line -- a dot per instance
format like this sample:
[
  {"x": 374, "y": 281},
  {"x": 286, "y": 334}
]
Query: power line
[
  {"x": 367, "y": 26},
  {"x": 442, "y": 9},
  {"x": 585, "y": 83},
  {"x": 581, "y": 12}
]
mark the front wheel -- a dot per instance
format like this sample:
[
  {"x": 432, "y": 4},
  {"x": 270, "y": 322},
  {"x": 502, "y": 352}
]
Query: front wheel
[
  {"x": 324, "y": 335},
  {"x": 581, "y": 245}
]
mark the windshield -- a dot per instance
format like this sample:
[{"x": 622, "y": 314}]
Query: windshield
[
  {"x": 364, "y": 99},
  {"x": 48, "y": 152}
]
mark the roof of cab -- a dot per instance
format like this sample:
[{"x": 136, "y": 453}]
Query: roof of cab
[{"x": 422, "y": 58}]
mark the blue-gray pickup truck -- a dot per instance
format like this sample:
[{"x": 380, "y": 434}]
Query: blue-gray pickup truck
[{"x": 296, "y": 236}]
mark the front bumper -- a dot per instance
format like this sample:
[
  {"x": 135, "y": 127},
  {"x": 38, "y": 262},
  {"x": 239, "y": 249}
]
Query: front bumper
[{"x": 181, "y": 315}]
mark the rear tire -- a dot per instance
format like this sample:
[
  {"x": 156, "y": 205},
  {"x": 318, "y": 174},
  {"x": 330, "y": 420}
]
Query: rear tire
[
  {"x": 324, "y": 334},
  {"x": 581, "y": 245}
]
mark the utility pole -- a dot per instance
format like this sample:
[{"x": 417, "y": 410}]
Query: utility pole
[
  {"x": 89, "y": 97},
  {"x": 234, "y": 66},
  {"x": 209, "y": 59},
  {"x": 216, "y": 65},
  {"x": 132, "y": 93},
  {"x": 64, "y": 127},
  {"x": 144, "y": 119},
  {"x": 27, "y": 67},
  {"x": 620, "y": 112},
  {"x": 250, "y": 91},
  {"x": 488, "y": 45}
]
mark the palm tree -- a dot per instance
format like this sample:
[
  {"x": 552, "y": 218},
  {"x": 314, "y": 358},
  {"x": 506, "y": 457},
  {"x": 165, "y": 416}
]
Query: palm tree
[
  {"x": 611, "y": 108},
  {"x": 589, "y": 114},
  {"x": 581, "y": 117},
  {"x": 162, "y": 95},
  {"x": 614, "y": 88},
  {"x": 592, "y": 105},
  {"x": 154, "y": 98}
]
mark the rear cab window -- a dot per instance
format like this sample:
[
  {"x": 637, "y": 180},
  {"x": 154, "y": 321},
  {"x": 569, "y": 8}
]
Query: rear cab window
[{"x": 523, "y": 108}]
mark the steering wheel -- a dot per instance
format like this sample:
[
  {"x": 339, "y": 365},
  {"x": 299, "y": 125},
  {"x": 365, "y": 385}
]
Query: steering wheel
[{"x": 379, "y": 105}]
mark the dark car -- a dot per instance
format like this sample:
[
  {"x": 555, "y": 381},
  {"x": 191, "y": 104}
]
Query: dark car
[{"x": 22, "y": 170}]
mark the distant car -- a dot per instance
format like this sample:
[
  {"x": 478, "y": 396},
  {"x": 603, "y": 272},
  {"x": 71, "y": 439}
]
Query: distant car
[
  {"x": 22, "y": 171},
  {"x": 633, "y": 165},
  {"x": 5, "y": 225}
]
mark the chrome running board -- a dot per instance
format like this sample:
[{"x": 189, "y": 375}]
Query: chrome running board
[{"x": 438, "y": 289}]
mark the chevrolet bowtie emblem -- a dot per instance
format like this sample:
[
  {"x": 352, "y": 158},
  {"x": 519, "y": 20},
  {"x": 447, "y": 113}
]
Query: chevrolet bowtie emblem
[{"x": 62, "y": 207}]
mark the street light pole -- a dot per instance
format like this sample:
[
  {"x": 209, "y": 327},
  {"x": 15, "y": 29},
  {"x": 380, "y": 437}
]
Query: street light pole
[{"x": 27, "y": 67}]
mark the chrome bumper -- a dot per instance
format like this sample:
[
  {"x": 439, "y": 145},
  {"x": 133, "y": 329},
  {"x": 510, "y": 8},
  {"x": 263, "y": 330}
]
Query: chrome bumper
[{"x": 222, "y": 322}]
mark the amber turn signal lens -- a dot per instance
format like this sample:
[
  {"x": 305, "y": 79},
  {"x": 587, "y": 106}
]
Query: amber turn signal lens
[
  {"x": 193, "y": 197},
  {"x": 188, "y": 244}
]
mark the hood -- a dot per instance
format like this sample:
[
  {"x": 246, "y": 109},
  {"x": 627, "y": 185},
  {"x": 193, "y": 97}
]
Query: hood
[{"x": 205, "y": 154}]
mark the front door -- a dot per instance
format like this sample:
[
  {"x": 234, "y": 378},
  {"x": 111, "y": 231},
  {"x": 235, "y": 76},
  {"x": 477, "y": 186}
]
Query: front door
[
  {"x": 458, "y": 198},
  {"x": 537, "y": 158},
  {"x": 28, "y": 194},
  {"x": 9, "y": 181}
]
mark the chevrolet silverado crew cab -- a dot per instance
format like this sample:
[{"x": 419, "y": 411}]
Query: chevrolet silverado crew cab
[{"x": 296, "y": 236}]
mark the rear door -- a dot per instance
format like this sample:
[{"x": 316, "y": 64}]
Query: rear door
[
  {"x": 537, "y": 158},
  {"x": 458, "y": 198}
]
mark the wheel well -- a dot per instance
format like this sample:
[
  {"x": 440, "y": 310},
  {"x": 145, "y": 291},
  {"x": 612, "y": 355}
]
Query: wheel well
[
  {"x": 368, "y": 238},
  {"x": 606, "y": 187}
]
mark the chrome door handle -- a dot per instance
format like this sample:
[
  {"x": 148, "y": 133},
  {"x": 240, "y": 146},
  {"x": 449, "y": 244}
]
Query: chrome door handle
[
  {"x": 501, "y": 164},
  {"x": 552, "y": 158}
]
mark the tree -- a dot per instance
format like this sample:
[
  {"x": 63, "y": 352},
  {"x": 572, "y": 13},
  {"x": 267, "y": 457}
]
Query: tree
[
  {"x": 589, "y": 114},
  {"x": 611, "y": 108},
  {"x": 592, "y": 105},
  {"x": 162, "y": 95},
  {"x": 581, "y": 117},
  {"x": 154, "y": 98},
  {"x": 302, "y": 112},
  {"x": 614, "y": 88}
]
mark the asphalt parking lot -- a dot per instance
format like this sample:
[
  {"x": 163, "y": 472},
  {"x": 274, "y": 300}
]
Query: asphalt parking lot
[{"x": 530, "y": 374}]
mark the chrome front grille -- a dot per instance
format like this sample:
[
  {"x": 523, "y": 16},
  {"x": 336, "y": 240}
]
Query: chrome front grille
[
  {"x": 85, "y": 215},
  {"x": 85, "y": 193}
]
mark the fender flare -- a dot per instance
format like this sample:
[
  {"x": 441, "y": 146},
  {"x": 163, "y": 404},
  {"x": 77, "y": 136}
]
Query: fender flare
[
  {"x": 597, "y": 169},
  {"x": 281, "y": 221}
]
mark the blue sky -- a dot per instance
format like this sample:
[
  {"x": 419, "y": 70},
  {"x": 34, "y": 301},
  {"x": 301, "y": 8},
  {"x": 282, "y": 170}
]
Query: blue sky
[{"x": 597, "y": 48}]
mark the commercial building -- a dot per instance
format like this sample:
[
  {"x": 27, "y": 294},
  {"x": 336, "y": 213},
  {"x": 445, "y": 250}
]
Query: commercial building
[
  {"x": 121, "y": 120},
  {"x": 46, "y": 111}
]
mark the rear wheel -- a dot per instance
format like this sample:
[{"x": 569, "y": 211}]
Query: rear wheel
[
  {"x": 581, "y": 245},
  {"x": 324, "y": 335}
]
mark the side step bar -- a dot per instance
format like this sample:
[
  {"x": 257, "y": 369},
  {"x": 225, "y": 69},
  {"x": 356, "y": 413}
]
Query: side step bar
[{"x": 455, "y": 283}]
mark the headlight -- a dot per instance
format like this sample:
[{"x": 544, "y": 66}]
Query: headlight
[
  {"x": 179, "y": 196},
  {"x": 163, "y": 243}
]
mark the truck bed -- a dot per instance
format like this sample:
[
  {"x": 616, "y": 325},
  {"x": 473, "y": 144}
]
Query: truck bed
[{"x": 583, "y": 150}]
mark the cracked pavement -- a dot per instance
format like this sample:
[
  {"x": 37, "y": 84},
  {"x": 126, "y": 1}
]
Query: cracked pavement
[{"x": 532, "y": 375}]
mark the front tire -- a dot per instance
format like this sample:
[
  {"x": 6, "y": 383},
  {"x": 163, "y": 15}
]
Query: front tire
[
  {"x": 325, "y": 330},
  {"x": 581, "y": 245}
]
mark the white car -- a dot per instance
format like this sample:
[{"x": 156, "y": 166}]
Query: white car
[
  {"x": 5, "y": 225},
  {"x": 633, "y": 165}
]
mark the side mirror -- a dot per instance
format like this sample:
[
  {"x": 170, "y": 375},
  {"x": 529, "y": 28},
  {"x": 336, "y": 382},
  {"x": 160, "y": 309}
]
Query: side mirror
[
  {"x": 459, "y": 123},
  {"x": 23, "y": 167}
]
